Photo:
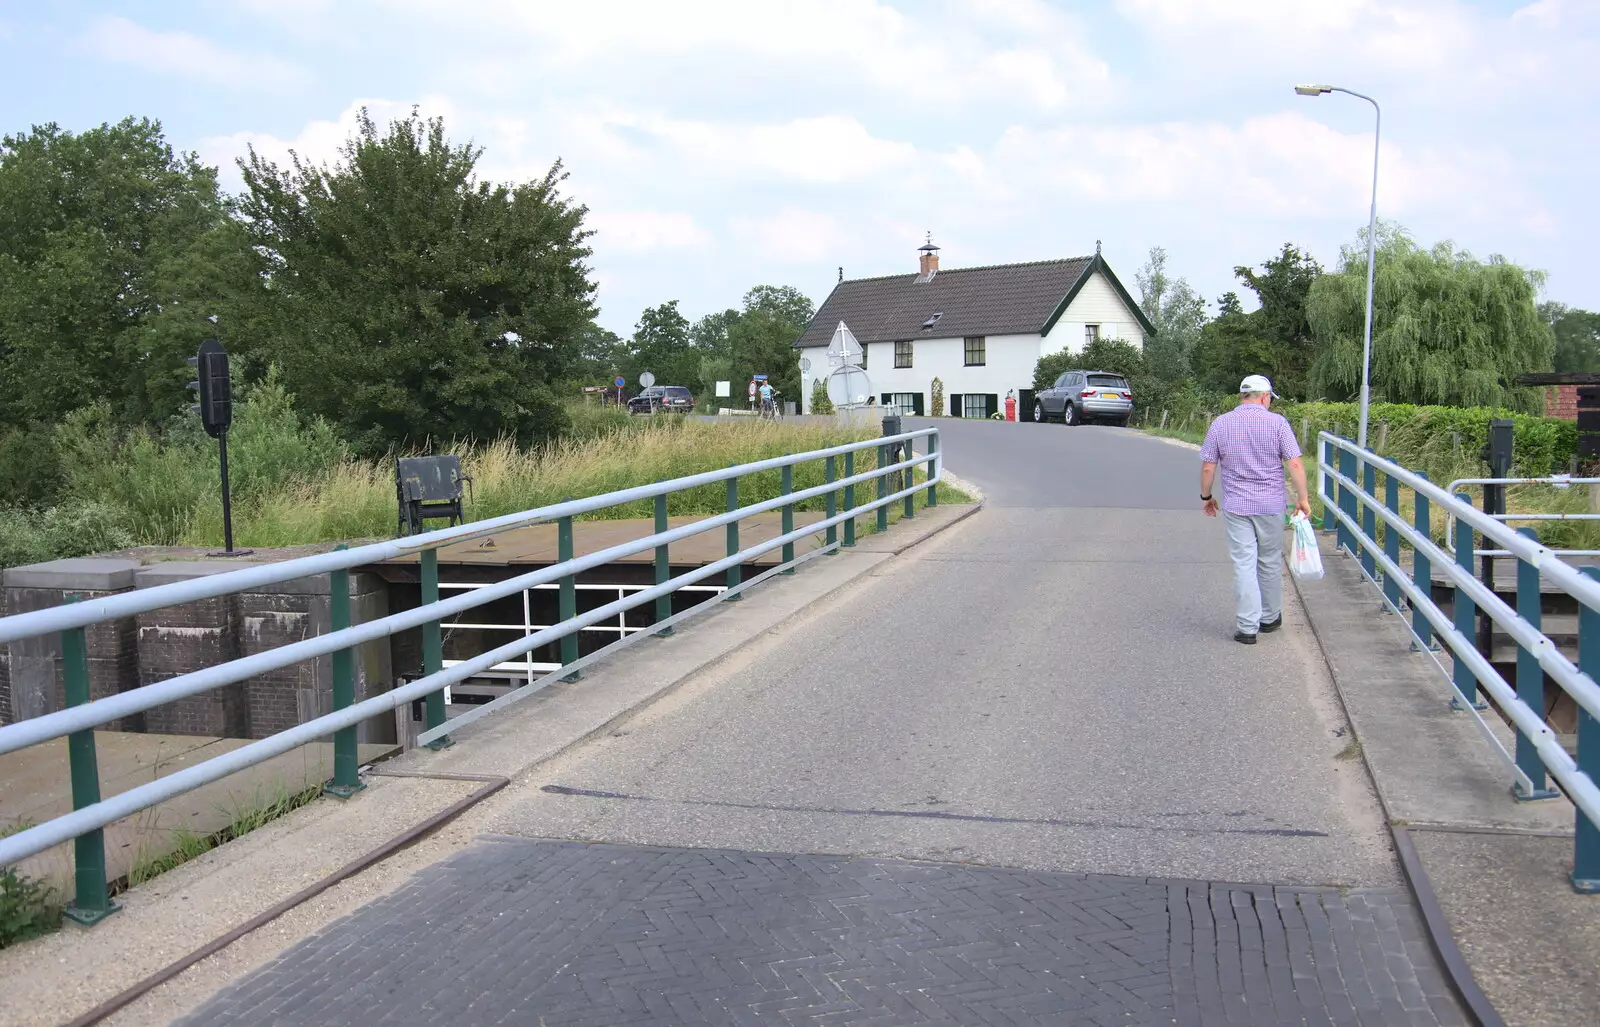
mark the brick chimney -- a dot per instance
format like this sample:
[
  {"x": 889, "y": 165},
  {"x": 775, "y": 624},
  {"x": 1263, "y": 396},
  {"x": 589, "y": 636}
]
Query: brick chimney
[{"x": 929, "y": 265}]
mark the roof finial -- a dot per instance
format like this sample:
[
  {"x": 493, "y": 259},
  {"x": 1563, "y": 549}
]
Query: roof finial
[
  {"x": 1097, "y": 247},
  {"x": 841, "y": 272}
]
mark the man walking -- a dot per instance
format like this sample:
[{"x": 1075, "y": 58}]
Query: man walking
[{"x": 1253, "y": 445}]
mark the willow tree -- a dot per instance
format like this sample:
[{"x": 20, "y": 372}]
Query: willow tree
[{"x": 1446, "y": 328}]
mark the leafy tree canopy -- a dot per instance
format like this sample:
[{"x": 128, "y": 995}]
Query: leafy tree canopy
[
  {"x": 1447, "y": 328},
  {"x": 408, "y": 300},
  {"x": 1178, "y": 313},
  {"x": 1274, "y": 339},
  {"x": 1577, "y": 336}
]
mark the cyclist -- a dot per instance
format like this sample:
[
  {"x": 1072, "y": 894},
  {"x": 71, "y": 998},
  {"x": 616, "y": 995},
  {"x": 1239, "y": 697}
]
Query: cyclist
[{"x": 768, "y": 408}]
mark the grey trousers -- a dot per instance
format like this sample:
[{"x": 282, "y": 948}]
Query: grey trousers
[{"x": 1256, "y": 545}]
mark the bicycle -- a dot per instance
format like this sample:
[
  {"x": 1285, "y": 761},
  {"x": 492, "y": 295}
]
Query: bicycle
[{"x": 769, "y": 408}]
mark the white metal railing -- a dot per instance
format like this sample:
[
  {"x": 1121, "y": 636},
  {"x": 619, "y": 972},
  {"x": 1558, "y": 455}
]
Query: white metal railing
[
  {"x": 1357, "y": 510},
  {"x": 1559, "y": 481}
]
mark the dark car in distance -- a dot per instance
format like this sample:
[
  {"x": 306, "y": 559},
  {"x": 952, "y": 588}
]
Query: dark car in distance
[
  {"x": 1081, "y": 396},
  {"x": 674, "y": 399}
]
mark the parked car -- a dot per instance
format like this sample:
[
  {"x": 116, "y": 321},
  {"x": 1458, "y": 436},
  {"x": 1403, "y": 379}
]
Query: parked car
[
  {"x": 1080, "y": 396},
  {"x": 671, "y": 398}
]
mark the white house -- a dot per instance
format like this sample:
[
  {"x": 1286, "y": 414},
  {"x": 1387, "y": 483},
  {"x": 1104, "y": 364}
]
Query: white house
[{"x": 979, "y": 330}]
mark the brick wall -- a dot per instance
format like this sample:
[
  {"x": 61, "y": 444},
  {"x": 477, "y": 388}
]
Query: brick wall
[
  {"x": 31, "y": 681},
  {"x": 1561, "y": 401},
  {"x": 181, "y": 639}
]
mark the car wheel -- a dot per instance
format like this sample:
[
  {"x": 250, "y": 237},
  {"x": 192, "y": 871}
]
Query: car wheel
[
  {"x": 1069, "y": 415},
  {"x": 1038, "y": 412}
]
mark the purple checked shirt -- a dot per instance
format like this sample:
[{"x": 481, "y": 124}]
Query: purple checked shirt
[{"x": 1251, "y": 443}]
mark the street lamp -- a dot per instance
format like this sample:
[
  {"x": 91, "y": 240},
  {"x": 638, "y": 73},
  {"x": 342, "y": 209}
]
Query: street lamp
[{"x": 1372, "y": 238}]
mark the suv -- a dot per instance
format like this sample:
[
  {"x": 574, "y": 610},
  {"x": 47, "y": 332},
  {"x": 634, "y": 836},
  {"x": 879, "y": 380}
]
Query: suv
[
  {"x": 673, "y": 398},
  {"x": 1079, "y": 396}
]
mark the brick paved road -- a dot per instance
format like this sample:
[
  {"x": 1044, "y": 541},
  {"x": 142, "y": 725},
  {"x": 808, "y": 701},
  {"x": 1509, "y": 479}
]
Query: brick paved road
[{"x": 524, "y": 932}]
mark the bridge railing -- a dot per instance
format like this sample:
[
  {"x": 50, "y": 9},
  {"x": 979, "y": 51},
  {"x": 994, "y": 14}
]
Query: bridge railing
[
  {"x": 1347, "y": 481},
  {"x": 77, "y": 721}
]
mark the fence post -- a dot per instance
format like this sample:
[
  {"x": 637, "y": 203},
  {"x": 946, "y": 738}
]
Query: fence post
[
  {"x": 92, "y": 901},
  {"x": 1305, "y": 432},
  {"x": 788, "y": 517},
  {"x": 1586, "y": 850},
  {"x": 433, "y": 648},
  {"x": 1347, "y": 502},
  {"x": 933, "y": 468},
  {"x": 883, "y": 488},
  {"x": 1368, "y": 498},
  {"x": 1163, "y": 420},
  {"x": 1383, "y": 437},
  {"x": 346, "y": 762},
  {"x": 850, "y": 500},
  {"x": 568, "y": 595},
  {"x": 1530, "y": 677},
  {"x": 1391, "y": 538},
  {"x": 831, "y": 507},
  {"x": 1466, "y": 613},
  {"x": 1421, "y": 570},
  {"x": 663, "y": 566},
  {"x": 734, "y": 573}
]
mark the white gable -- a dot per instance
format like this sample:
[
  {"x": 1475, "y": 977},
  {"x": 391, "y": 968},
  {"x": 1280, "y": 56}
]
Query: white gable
[{"x": 1097, "y": 303}]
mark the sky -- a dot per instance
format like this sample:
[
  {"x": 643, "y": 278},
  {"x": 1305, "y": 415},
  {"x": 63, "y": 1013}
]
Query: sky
[{"x": 721, "y": 144}]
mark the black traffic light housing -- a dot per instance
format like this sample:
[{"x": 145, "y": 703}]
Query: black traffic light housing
[{"x": 215, "y": 388}]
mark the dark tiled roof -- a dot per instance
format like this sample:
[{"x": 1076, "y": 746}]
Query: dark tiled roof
[{"x": 1005, "y": 299}]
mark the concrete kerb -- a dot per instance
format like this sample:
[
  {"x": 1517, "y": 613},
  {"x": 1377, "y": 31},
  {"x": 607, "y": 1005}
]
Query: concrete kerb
[{"x": 210, "y": 891}]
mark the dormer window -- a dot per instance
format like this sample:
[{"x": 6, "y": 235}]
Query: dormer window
[{"x": 930, "y": 322}]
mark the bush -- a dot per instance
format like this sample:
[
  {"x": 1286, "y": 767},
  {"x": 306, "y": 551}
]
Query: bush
[
  {"x": 79, "y": 529},
  {"x": 820, "y": 403},
  {"x": 30, "y": 467},
  {"x": 1421, "y": 435},
  {"x": 22, "y": 541}
]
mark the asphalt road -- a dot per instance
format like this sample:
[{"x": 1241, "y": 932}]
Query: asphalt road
[{"x": 1045, "y": 691}]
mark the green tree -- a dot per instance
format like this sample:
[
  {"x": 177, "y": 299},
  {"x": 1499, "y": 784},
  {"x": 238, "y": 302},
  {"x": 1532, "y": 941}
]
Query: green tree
[
  {"x": 113, "y": 250},
  {"x": 758, "y": 338},
  {"x": 602, "y": 355},
  {"x": 1178, "y": 313},
  {"x": 410, "y": 301},
  {"x": 661, "y": 346},
  {"x": 1577, "y": 336},
  {"x": 1447, "y": 328}
]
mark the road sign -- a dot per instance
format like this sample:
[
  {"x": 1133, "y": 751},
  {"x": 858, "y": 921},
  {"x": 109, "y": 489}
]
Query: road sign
[
  {"x": 760, "y": 377},
  {"x": 848, "y": 386},
  {"x": 621, "y": 381},
  {"x": 805, "y": 365},
  {"x": 724, "y": 388},
  {"x": 647, "y": 379}
]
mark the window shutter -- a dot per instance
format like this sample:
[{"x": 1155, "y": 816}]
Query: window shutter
[
  {"x": 955, "y": 405},
  {"x": 916, "y": 404},
  {"x": 886, "y": 399},
  {"x": 991, "y": 405}
]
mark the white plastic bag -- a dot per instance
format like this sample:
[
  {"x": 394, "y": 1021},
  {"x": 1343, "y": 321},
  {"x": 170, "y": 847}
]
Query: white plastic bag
[{"x": 1305, "y": 560}]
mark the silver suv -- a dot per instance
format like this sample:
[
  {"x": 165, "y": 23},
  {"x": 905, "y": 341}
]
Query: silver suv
[{"x": 1079, "y": 396}]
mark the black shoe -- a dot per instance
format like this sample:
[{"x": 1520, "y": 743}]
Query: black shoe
[
  {"x": 1269, "y": 626},
  {"x": 1240, "y": 636}
]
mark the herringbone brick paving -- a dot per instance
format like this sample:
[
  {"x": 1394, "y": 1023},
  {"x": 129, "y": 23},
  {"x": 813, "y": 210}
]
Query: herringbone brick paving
[{"x": 525, "y": 932}]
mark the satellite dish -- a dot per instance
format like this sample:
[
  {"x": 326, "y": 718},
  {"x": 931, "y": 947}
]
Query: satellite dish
[
  {"x": 647, "y": 379},
  {"x": 848, "y": 387},
  {"x": 844, "y": 350}
]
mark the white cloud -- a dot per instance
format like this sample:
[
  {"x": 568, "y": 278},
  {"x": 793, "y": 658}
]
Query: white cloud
[
  {"x": 792, "y": 236},
  {"x": 642, "y": 231},
  {"x": 816, "y": 150},
  {"x": 188, "y": 56}
]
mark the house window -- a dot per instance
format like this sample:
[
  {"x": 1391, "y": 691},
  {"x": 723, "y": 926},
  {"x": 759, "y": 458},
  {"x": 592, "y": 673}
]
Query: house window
[
  {"x": 975, "y": 405},
  {"x": 976, "y": 351},
  {"x": 906, "y": 404},
  {"x": 902, "y": 353},
  {"x": 1091, "y": 333}
]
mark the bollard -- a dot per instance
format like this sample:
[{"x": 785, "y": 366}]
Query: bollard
[
  {"x": 788, "y": 517},
  {"x": 1391, "y": 539},
  {"x": 1421, "y": 571},
  {"x": 850, "y": 500},
  {"x": 569, "y": 595},
  {"x": 433, "y": 648},
  {"x": 734, "y": 575},
  {"x": 933, "y": 469},
  {"x": 1530, "y": 678},
  {"x": 1466, "y": 615},
  {"x": 831, "y": 509},
  {"x": 1586, "y": 848},
  {"x": 346, "y": 761},
  {"x": 1367, "y": 498},
  {"x": 663, "y": 567},
  {"x": 91, "y": 902}
]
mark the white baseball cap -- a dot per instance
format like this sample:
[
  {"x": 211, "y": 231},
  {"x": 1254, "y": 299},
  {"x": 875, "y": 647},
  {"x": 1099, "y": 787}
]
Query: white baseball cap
[{"x": 1256, "y": 383}]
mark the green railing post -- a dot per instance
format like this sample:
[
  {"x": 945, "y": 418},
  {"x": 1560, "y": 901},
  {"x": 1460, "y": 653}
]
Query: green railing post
[
  {"x": 1466, "y": 614},
  {"x": 568, "y": 596},
  {"x": 933, "y": 466},
  {"x": 1586, "y": 849},
  {"x": 734, "y": 573},
  {"x": 346, "y": 761},
  {"x": 788, "y": 517},
  {"x": 831, "y": 507},
  {"x": 433, "y": 647},
  {"x": 1421, "y": 570},
  {"x": 1530, "y": 677},
  {"x": 91, "y": 902},
  {"x": 1391, "y": 538},
  {"x": 1346, "y": 539},
  {"x": 1369, "y": 516},
  {"x": 663, "y": 566},
  {"x": 883, "y": 488},
  {"x": 850, "y": 500},
  {"x": 909, "y": 450}
]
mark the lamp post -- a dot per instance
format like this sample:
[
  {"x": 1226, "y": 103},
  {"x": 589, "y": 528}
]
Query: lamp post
[{"x": 1372, "y": 224}]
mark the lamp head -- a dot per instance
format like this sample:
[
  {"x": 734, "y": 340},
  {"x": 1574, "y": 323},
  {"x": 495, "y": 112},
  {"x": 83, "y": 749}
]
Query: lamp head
[{"x": 1313, "y": 90}]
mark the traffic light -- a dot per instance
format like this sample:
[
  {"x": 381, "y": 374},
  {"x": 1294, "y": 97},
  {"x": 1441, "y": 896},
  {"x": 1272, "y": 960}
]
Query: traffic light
[{"x": 215, "y": 388}]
